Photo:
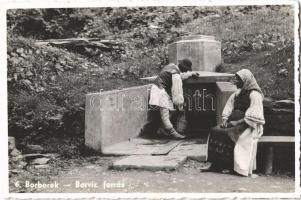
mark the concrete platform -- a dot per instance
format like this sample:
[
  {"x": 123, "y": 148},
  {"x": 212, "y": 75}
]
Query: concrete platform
[
  {"x": 153, "y": 163},
  {"x": 149, "y": 154},
  {"x": 196, "y": 149},
  {"x": 139, "y": 146}
]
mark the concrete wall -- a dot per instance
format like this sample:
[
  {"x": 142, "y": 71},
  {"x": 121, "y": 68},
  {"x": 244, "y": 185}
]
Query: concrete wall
[
  {"x": 223, "y": 92},
  {"x": 115, "y": 116},
  {"x": 203, "y": 51}
]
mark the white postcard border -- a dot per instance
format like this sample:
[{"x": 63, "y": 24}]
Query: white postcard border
[{"x": 10, "y": 4}]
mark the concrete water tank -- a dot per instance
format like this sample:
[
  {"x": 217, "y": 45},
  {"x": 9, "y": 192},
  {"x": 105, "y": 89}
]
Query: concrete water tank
[{"x": 204, "y": 52}]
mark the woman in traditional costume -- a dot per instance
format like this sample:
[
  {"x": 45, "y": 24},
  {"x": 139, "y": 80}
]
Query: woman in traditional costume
[{"x": 233, "y": 144}]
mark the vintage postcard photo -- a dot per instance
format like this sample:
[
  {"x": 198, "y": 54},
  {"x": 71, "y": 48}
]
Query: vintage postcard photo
[{"x": 177, "y": 99}]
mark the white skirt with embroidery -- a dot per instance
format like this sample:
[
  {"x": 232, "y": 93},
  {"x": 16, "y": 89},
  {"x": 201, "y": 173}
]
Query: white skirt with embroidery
[{"x": 159, "y": 97}]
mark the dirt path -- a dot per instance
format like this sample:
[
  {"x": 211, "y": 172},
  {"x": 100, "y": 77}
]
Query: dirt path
[{"x": 94, "y": 175}]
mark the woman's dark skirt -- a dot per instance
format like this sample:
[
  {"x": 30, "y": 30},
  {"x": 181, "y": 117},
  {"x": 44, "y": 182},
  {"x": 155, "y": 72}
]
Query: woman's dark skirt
[
  {"x": 221, "y": 146},
  {"x": 220, "y": 149}
]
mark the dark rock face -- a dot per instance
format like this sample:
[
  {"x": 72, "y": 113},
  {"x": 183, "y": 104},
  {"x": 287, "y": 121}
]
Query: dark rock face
[
  {"x": 32, "y": 149},
  {"x": 279, "y": 117},
  {"x": 285, "y": 104}
]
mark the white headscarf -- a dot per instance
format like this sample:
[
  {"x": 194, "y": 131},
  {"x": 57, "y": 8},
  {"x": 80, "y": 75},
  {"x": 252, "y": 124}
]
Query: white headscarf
[{"x": 249, "y": 80}]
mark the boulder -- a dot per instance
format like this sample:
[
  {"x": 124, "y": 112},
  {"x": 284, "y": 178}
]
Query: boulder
[
  {"x": 41, "y": 166},
  {"x": 16, "y": 160},
  {"x": 21, "y": 165},
  {"x": 40, "y": 161},
  {"x": 15, "y": 153}
]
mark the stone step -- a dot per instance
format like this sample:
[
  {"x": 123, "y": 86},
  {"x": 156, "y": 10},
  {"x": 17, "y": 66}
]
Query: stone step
[{"x": 148, "y": 162}]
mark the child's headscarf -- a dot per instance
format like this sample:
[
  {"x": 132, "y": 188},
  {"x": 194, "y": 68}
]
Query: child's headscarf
[{"x": 249, "y": 80}]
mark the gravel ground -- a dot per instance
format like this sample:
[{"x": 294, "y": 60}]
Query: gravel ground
[{"x": 93, "y": 174}]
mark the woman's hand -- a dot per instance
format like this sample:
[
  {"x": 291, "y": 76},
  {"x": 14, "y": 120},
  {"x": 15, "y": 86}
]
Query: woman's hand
[
  {"x": 233, "y": 123},
  {"x": 224, "y": 123}
]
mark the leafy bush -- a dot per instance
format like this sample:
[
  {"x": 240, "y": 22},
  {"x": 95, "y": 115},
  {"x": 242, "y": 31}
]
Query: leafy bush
[{"x": 47, "y": 23}]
